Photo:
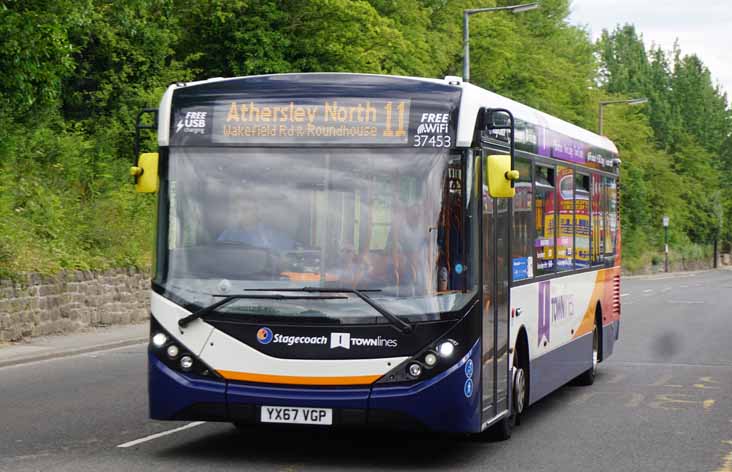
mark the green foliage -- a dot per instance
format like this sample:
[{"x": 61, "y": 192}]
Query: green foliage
[
  {"x": 75, "y": 74},
  {"x": 683, "y": 172},
  {"x": 36, "y": 53}
]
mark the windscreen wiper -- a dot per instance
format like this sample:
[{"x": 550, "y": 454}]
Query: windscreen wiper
[
  {"x": 230, "y": 298},
  {"x": 401, "y": 325}
]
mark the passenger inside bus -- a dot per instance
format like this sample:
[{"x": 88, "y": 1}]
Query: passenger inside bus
[{"x": 249, "y": 227}]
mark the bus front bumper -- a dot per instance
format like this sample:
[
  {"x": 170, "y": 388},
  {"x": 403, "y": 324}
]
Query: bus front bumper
[{"x": 443, "y": 403}]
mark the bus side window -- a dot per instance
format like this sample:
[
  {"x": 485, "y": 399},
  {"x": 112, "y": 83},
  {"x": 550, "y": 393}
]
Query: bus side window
[
  {"x": 598, "y": 221},
  {"x": 521, "y": 257},
  {"x": 610, "y": 214},
  {"x": 565, "y": 215},
  {"x": 582, "y": 221},
  {"x": 545, "y": 216}
]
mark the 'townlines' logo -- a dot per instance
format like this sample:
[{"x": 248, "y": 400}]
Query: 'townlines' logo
[
  {"x": 340, "y": 340},
  {"x": 345, "y": 341},
  {"x": 544, "y": 311}
]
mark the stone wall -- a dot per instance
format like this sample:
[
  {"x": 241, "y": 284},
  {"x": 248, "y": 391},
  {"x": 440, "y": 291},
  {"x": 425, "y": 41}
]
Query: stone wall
[{"x": 38, "y": 305}]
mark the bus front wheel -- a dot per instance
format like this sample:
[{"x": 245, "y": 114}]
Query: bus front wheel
[{"x": 502, "y": 430}]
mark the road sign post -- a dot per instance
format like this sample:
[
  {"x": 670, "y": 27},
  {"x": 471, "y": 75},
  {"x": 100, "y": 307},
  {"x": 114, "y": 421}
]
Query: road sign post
[{"x": 665, "y": 242}]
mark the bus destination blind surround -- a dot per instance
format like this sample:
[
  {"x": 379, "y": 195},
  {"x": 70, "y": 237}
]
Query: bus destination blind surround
[{"x": 315, "y": 121}]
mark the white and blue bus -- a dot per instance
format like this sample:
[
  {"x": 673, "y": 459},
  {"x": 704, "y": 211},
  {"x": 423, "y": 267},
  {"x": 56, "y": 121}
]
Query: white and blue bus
[{"x": 363, "y": 250}]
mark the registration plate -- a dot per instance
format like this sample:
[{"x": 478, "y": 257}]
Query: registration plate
[{"x": 296, "y": 415}]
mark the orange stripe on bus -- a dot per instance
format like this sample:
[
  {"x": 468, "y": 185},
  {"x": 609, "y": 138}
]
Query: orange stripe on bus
[{"x": 298, "y": 380}]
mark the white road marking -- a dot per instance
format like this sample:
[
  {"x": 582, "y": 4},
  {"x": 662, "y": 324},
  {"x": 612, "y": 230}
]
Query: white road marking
[
  {"x": 160, "y": 435},
  {"x": 616, "y": 379},
  {"x": 635, "y": 400},
  {"x": 624, "y": 295},
  {"x": 687, "y": 302},
  {"x": 662, "y": 380}
]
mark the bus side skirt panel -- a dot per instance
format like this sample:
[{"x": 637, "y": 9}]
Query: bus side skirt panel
[
  {"x": 559, "y": 366},
  {"x": 443, "y": 403},
  {"x": 610, "y": 334}
]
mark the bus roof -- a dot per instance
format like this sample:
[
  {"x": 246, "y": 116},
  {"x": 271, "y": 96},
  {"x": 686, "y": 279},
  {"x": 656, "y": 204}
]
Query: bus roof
[{"x": 473, "y": 98}]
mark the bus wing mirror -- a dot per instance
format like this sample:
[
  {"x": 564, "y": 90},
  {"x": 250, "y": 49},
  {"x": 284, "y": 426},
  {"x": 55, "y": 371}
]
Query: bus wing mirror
[
  {"x": 500, "y": 176},
  {"x": 146, "y": 173},
  {"x": 497, "y": 119}
]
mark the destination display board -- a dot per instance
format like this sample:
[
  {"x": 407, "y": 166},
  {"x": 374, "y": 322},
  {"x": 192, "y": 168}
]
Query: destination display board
[
  {"x": 316, "y": 121},
  {"x": 334, "y": 120},
  {"x": 316, "y": 110}
]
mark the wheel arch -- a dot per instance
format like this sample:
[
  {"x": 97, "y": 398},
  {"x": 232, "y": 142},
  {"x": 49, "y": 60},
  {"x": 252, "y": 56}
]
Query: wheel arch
[
  {"x": 521, "y": 349},
  {"x": 598, "y": 324}
]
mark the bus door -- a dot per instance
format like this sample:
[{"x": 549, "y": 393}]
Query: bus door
[
  {"x": 495, "y": 267},
  {"x": 496, "y": 276}
]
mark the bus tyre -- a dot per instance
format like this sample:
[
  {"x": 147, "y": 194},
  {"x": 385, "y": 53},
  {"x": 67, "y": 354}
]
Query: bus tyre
[
  {"x": 503, "y": 429},
  {"x": 520, "y": 390},
  {"x": 243, "y": 428},
  {"x": 588, "y": 376}
]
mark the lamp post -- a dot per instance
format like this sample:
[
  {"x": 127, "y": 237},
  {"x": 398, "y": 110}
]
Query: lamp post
[
  {"x": 665, "y": 241},
  {"x": 466, "y": 32},
  {"x": 632, "y": 101}
]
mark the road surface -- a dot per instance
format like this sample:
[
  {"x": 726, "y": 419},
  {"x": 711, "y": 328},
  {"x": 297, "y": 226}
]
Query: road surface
[{"x": 662, "y": 402}]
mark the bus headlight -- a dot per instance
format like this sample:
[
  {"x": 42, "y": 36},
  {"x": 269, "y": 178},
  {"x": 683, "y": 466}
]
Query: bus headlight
[
  {"x": 175, "y": 355},
  {"x": 430, "y": 359},
  {"x": 186, "y": 362},
  {"x": 159, "y": 340},
  {"x": 446, "y": 348},
  {"x": 415, "y": 370},
  {"x": 172, "y": 351}
]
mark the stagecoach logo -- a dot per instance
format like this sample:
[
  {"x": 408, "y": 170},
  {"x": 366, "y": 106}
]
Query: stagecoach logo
[
  {"x": 264, "y": 335},
  {"x": 193, "y": 122},
  {"x": 337, "y": 340}
]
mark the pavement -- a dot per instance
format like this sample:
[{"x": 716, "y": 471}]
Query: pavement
[
  {"x": 662, "y": 402},
  {"x": 51, "y": 347}
]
